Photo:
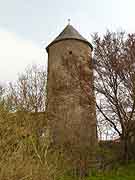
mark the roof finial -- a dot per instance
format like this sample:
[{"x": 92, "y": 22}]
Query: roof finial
[{"x": 69, "y": 20}]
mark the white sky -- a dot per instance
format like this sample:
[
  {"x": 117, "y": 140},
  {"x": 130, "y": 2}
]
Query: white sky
[{"x": 27, "y": 26}]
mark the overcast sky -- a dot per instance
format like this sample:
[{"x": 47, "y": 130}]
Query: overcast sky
[{"x": 27, "y": 26}]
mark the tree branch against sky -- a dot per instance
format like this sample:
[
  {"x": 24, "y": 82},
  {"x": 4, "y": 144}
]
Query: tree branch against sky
[
  {"x": 28, "y": 93},
  {"x": 114, "y": 59}
]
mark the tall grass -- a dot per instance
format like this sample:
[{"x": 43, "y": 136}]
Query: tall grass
[{"x": 25, "y": 153}]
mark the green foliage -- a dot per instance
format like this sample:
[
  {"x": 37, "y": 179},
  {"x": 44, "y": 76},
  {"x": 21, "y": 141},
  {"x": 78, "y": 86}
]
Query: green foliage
[{"x": 120, "y": 173}]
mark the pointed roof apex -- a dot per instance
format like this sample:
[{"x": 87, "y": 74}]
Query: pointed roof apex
[{"x": 69, "y": 33}]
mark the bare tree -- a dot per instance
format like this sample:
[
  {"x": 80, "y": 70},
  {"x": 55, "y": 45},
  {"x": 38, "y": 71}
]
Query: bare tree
[
  {"x": 114, "y": 59},
  {"x": 28, "y": 92}
]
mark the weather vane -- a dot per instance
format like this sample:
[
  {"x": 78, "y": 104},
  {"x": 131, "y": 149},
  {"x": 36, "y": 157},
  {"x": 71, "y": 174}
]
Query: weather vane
[{"x": 69, "y": 20}]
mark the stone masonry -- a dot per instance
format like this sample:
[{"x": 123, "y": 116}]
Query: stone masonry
[{"x": 70, "y": 94}]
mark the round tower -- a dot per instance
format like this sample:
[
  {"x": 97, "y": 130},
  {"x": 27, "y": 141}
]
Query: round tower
[{"x": 70, "y": 95}]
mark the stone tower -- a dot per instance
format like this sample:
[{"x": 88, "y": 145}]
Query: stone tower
[{"x": 70, "y": 94}]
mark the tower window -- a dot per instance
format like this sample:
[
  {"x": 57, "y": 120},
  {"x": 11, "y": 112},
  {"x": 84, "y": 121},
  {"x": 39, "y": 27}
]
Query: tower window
[{"x": 70, "y": 52}]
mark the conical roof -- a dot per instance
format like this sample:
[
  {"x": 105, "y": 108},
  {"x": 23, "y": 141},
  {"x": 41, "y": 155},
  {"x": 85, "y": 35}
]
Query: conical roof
[{"x": 69, "y": 33}]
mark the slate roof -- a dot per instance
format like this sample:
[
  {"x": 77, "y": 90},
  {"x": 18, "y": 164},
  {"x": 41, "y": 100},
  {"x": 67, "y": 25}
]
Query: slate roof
[{"x": 69, "y": 33}]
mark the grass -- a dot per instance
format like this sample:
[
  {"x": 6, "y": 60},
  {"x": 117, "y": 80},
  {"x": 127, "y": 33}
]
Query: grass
[{"x": 121, "y": 173}]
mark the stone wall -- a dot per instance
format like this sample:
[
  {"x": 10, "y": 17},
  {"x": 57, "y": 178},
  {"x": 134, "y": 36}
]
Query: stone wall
[{"x": 70, "y": 99}]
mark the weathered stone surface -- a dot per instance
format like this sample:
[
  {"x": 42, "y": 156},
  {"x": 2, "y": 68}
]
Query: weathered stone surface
[{"x": 71, "y": 101}]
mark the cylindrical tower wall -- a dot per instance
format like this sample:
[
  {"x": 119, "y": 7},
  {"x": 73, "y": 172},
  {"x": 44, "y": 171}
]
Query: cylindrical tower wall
[{"x": 70, "y": 95}]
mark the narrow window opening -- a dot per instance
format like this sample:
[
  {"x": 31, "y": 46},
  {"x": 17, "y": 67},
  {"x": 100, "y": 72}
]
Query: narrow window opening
[{"x": 70, "y": 52}]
